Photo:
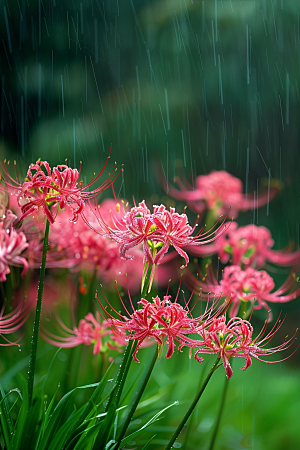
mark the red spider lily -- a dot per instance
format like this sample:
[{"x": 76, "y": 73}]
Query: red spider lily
[
  {"x": 89, "y": 332},
  {"x": 234, "y": 339},
  {"x": 157, "y": 232},
  {"x": 161, "y": 320},
  {"x": 12, "y": 245},
  {"x": 245, "y": 285},
  {"x": 248, "y": 246},
  {"x": 12, "y": 321},
  {"x": 45, "y": 188},
  {"x": 219, "y": 191}
]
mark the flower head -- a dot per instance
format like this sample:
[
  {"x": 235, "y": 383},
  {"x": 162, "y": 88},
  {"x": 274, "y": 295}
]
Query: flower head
[
  {"x": 89, "y": 332},
  {"x": 162, "y": 321},
  {"x": 234, "y": 339},
  {"x": 48, "y": 188},
  {"x": 157, "y": 231},
  {"x": 251, "y": 245},
  {"x": 219, "y": 191},
  {"x": 246, "y": 285}
]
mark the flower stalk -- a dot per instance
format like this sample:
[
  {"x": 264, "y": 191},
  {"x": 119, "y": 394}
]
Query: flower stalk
[
  {"x": 218, "y": 421},
  {"x": 192, "y": 407},
  {"x": 138, "y": 397},
  {"x": 36, "y": 326}
]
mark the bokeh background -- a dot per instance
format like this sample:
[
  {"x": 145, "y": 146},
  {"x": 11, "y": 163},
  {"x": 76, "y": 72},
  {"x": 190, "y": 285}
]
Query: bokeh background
[{"x": 179, "y": 88}]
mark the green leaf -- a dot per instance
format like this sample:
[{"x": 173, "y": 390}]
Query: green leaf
[
  {"x": 20, "y": 423},
  {"x": 5, "y": 421},
  {"x": 57, "y": 417},
  {"x": 148, "y": 443},
  {"x": 77, "y": 422},
  {"x": 33, "y": 421},
  {"x": 150, "y": 422}
]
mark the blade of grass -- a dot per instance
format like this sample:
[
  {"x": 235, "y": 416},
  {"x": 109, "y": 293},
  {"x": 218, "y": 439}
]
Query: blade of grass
[{"x": 150, "y": 422}]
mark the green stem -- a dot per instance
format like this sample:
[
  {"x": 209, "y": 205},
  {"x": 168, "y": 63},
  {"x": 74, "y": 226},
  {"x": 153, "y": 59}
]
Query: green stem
[
  {"x": 191, "y": 408},
  {"x": 36, "y": 326},
  {"x": 124, "y": 369},
  {"x": 146, "y": 281},
  {"x": 190, "y": 424},
  {"x": 242, "y": 310},
  {"x": 243, "y": 314},
  {"x": 216, "y": 429},
  {"x": 138, "y": 397}
]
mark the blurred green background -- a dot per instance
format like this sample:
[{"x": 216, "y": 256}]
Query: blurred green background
[{"x": 179, "y": 87}]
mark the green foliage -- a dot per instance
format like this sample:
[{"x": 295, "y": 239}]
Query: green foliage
[{"x": 62, "y": 426}]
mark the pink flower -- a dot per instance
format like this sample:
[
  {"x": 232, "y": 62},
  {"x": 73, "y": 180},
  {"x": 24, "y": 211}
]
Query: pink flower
[
  {"x": 47, "y": 188},
  {"x": 247, "y": 246},
  {"x": 251, "y": 245},
  {"x": 12, "y": 245},
  {"x": 234, "y": 339},
  {"x": 89, "y": 332},
  {"x": 157, "y": 231},
  {"x": 245, "y": 285},
  {"x": 218, "y": 192},
  {"x": 160, "y": 320}
]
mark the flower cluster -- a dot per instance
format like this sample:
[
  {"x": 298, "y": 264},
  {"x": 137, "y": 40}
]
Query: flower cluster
[
  {"x": 162, "y": 320},
  {"x": 248, "y": 246},
  {"x": 219, "y": 191},
  {"x": 89, "y": 332},
  {"x": 249, "y": 285},
  {"x": 157, "y": 231},
  {"x": 48, "y": 188},
  {"x": 234, "y": 339},
  {"x": 166, "y": 321}
]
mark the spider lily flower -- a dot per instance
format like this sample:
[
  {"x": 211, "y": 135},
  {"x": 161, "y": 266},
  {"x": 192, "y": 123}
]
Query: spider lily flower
[
  {"x": 12, "y": 246},
  {"x": 89, "y": 332},
  {"x": 12, "y": 321},
  {"x": 219, "y": 191},
  {"x": 249, "y": 285},
  {"x": 248, "y": 246},
  {"x": 234, "y": 339},
  {"x": 48, "y": 188},
  {"x": 157, "y": 231},
  {"x": 162, "y": 321}
]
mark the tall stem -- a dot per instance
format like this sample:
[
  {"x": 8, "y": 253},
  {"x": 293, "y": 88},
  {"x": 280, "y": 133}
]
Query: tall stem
[
  {"x": 125, "y": 367},
  {"x": 190, "y": 424},
  {"x": 243, "y": 314},
  {"x": 216, "y": 429},
  {"x": 146, "y": 280},
  {"x": 138, "y": 397},
  {"x": 36, "y": 326},
  {"x": 191, "y": 408}
]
